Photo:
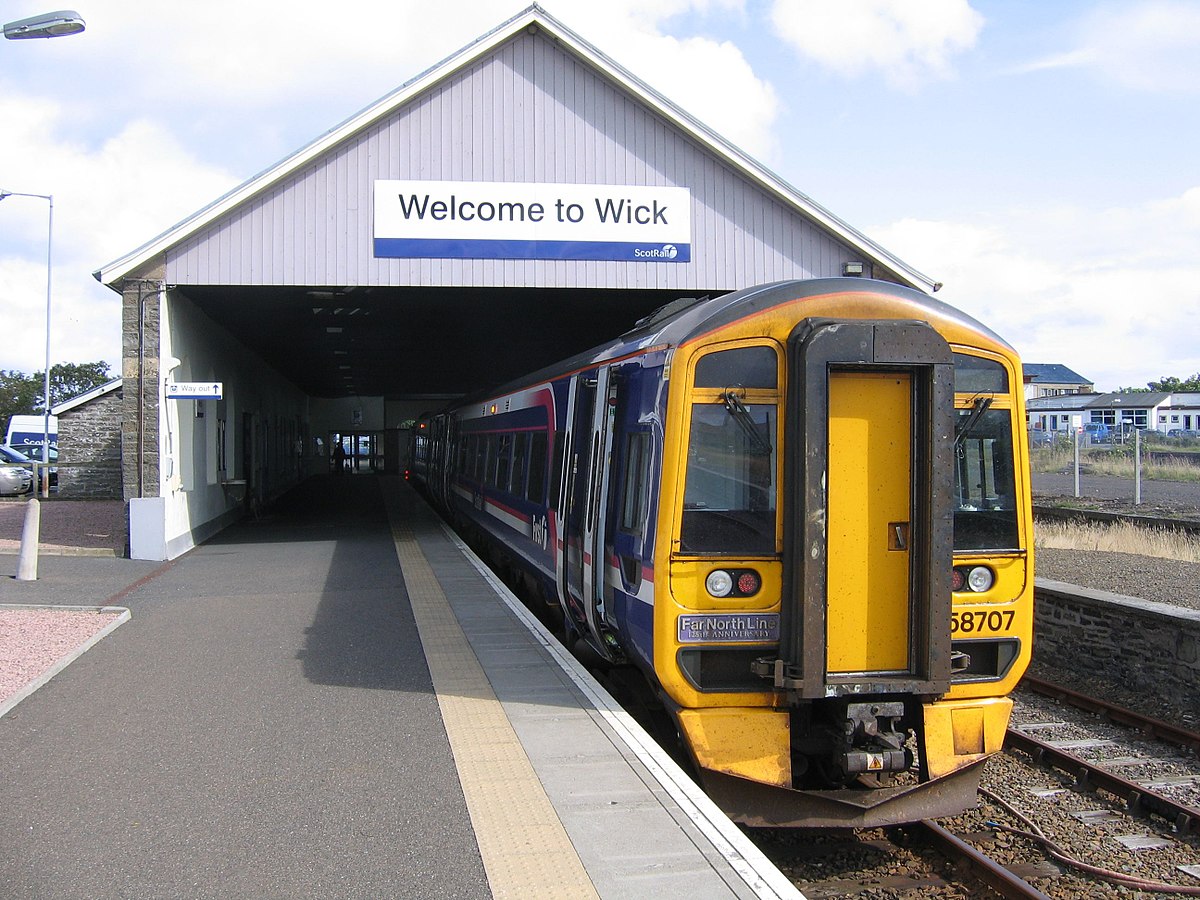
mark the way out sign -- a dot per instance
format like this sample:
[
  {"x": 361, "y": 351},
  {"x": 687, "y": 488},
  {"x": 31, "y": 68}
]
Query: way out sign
[{"x": 194, "y": 390}]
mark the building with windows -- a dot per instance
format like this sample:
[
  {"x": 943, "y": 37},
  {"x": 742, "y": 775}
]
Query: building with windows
[{"x": 1053, "y": 380}]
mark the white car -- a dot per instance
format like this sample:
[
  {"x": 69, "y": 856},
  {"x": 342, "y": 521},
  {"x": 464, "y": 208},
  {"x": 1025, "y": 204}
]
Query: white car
[{"x": 16, "y": 472}]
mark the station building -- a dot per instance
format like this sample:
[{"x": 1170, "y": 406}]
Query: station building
[{"x": 523, "y": 200}]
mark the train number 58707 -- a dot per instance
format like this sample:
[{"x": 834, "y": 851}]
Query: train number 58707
[{"x": 980, "y": 620}]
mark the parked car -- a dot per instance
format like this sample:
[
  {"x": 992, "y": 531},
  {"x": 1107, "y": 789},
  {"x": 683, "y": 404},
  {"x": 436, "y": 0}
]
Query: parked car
[
  {"x": 1183, "y": 434},
  {"x": 16, "y": 472},
  {"x": 1098, "y": 432},
  {"x": 1040, "y": 437},
  {"x": 33, "y": 452}
]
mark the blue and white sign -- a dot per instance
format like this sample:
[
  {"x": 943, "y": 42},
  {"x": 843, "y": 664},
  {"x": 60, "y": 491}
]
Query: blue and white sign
[
  {"x": 194, "y": 390},
  {"x": 498, "y": 220},
  {"x": 728, "y": 628}
]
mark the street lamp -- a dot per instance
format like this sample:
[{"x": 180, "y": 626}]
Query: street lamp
[
  {"x": 47, "y": 25},
  {"x": 49, "y": 198}
]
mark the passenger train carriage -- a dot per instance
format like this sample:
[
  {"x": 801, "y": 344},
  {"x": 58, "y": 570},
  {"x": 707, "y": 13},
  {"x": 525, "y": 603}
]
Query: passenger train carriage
[{"x": 802, "y": 511}]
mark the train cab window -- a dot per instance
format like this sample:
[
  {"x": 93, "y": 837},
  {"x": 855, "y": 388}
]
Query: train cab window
[
  {"x": 729, "y": 501},
  {"x": 975, "y": 375},
  {"x": 746, "y": 367},
  {"x": 985, "y": 515}
]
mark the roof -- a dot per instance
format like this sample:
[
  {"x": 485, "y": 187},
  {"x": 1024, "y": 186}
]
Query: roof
[
  {"x": 1053, "y": 373},
  {"x": 86, "y": 397},
  {"x": 1129, "y": 400},
  {"x": 533, "y": 17}
]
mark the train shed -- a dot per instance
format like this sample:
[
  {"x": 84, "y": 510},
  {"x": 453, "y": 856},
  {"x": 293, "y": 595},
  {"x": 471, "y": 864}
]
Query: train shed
[{"x": 515, "y": 204}]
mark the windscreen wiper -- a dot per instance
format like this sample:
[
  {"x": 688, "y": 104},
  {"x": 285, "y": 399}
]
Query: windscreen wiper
[
  {"x": 967, "y": 422},
  {"x": 737, "y": 410}
]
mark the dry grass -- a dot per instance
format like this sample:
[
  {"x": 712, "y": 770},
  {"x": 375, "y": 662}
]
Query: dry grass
[
  {"x": 1114, "y": 462},
  {"x": 1117, "y": 537}
]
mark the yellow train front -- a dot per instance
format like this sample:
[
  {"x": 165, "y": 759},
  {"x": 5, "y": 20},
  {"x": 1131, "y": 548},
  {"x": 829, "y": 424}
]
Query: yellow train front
[{"x": 843, "y": 581}]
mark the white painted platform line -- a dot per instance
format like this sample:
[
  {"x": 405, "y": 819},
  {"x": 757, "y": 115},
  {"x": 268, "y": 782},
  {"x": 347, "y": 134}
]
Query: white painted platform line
[
  {"x": 759, "y": 874},
  {"x": 123, "y": 616}
]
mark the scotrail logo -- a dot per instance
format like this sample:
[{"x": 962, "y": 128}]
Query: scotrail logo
[{"x": 666, "y": 251}]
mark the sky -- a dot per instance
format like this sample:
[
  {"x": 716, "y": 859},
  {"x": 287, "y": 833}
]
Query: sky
[{"x": 1041, "y": 160}]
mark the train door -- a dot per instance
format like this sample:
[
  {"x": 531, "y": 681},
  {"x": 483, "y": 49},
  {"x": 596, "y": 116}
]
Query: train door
[
  {"x": 869, "y": 517},
  {"x": 588, "y": 447},
  {"x": 596, "y": 536},
  {"x": 576, "y": 463},
  {"x": 868, "y": 522}
]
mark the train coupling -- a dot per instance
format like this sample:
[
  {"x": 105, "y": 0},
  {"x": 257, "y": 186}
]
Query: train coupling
[{"x": 873, "y": 739}]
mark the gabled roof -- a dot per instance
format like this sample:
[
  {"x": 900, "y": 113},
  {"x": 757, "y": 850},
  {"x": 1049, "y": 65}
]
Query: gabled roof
[
  {"x": 86, "y": 397},
  {"x": 1053, "y": 373},
  {"x": 532, "y": 17},
  {"x": 1129, "y": 400}
]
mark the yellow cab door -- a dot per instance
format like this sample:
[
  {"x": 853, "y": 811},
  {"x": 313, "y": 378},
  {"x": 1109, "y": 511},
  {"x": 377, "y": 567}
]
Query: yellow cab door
[{"x": 869, "y": 512}]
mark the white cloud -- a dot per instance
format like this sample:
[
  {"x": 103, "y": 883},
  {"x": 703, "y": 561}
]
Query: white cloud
[
  {"x": 108, "y": 199},
  {"x": 1114, "y": 294},
  {"x": 1148, "y": 46},
  {"x": 908, "y": 43}
]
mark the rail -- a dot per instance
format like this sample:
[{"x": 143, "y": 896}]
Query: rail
[
  {"x": 986, "y": 869},
  {"x": 1149, "y": 726},
  {"x": 1138, "y": 798}
]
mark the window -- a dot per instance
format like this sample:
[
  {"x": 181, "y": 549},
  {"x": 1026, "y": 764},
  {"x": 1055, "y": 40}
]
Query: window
[
  {"x": 975, "y": 375},
  {"x": 746, "y": 367},
  {"x": 985, "y": 515},
  {"x": 502, "y": 460},
  {"x": 520, "y": 463},
  {"x": 633, "y": 494},
  {"x": 536, "y": 491},
  {"x": 729, "y": 498}
]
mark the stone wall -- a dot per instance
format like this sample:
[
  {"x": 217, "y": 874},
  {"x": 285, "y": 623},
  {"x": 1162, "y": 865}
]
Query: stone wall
[
  {"x": 1150, "y": 647},
  {"x": 141, "y": 305},
  {"x": 89, "y": 442}
]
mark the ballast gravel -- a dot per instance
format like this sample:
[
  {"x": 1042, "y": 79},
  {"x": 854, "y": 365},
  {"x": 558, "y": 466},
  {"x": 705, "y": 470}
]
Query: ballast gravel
[{"x": 32, "y": 641}]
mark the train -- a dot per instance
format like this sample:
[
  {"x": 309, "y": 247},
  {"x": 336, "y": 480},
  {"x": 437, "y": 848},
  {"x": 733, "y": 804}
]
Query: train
[{"x": 801, "y": 512}]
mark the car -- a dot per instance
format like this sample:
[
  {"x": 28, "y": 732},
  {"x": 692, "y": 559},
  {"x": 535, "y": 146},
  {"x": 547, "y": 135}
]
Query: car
[
  {"x": 33, "y": 453},
  {"x": 1040, "y": 437},
  {"x": 1098, "y": 432},
  {"x": 16, "y": 473},
  {"x": 1183, "y": 434}
]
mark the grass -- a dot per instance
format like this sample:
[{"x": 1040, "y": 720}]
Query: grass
[
  {"x": 1112, "y": 461},
  {"x": 1117, "y": 537}
]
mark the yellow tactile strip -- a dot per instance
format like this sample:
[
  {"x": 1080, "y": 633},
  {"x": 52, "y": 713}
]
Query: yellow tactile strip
[{"x": 526, "y": 851}]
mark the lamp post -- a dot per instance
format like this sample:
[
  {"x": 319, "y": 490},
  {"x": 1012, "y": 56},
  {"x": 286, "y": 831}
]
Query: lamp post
[{"x": 49, "y": 198}]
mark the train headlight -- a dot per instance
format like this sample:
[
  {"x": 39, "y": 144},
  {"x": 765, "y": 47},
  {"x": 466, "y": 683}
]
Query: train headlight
[
  {"x": 719, "y": 583},
  {"x": 980, "y": 579},
  {"x": 977, "y": 579}
]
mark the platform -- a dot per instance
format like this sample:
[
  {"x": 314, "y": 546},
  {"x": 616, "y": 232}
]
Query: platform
[{"x": 291, "y": 713}]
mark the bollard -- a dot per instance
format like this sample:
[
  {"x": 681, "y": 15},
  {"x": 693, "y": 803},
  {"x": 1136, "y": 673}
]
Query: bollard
[{"x": 28, "y": 559}]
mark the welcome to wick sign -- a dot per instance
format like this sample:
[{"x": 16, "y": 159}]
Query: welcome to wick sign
[{"x": 497, "y": 220}]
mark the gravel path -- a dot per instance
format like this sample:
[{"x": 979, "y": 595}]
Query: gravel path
[{"x": 33, "y": 641}]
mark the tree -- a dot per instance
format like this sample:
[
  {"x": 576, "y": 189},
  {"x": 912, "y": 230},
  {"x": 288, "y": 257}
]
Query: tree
[
  {"x": 22, "y": 394},
  {"x": 1173, "y": 385},
  {"x": 69, "y": 380},
  {"x": 19, "y": 394}
]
